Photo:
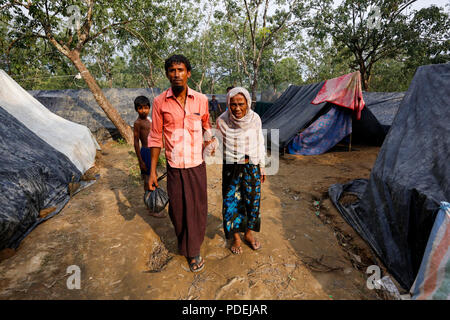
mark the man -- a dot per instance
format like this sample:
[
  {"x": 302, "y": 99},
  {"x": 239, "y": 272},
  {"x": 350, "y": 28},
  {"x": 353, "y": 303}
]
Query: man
[
  {"x": 215, "y": 108},
  {"x": 181, "y": 115}
]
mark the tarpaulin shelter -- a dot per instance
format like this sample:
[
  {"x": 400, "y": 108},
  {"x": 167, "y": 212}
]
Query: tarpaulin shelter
[
  {"x": 324, "y": 109},
  {"x": 397, "y": 206},
  {"x": 377, "y": 117},
  {"x": 339, "y": 108},
  {"x": 80, "y": 106},
  {"x": 261, "y": 107},
  {"x": 40, "y": 154},
  {"x": 433, "y": 279}
]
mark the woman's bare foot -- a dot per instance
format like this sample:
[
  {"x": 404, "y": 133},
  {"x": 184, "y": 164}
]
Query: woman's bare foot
[
  {"x": 251, "y": 241},
  {"x": 236, "y": 245}
]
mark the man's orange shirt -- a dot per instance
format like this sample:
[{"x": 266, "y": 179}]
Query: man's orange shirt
[{"x": 182, "y": 127}]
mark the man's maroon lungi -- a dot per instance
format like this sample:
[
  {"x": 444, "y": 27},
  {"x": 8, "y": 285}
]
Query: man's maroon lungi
[{"x": 188, "y": 207}]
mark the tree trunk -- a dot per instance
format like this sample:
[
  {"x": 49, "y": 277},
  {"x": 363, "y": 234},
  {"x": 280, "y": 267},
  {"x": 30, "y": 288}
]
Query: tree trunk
[
  {"x": 364, "y": 80},
  {"x": 211, "y": 90},
  {"x": 254, "y": 88},
  {"x": 111, "y": 113},
  {"x": 366, "y": 85}
]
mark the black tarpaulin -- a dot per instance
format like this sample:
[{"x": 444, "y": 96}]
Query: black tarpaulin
[
  {"x": 33, "y": 176},
  {"x": 291, "y": 112},
  {"x": 383, "y": 105},
  {"x": 376, "y": 117},
  {"x": 410, "y": 178}
]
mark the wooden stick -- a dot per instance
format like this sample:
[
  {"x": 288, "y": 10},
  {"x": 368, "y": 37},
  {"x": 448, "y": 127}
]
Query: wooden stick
[{"x": 350, "y": 143}]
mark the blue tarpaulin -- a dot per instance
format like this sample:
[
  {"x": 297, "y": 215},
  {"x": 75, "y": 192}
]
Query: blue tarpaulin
[{"x": 322, "y": 134}]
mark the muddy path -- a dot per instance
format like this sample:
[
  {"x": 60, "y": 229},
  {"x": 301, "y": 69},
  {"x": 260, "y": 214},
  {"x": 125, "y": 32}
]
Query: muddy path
[{"x": 308, "y": 252}]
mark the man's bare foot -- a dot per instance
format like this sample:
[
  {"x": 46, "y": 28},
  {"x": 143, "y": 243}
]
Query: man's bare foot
[
  {"x": 236, "y": 245},
  {"x": 156, "y": 215},
  {"x": 251, "y": 241}
]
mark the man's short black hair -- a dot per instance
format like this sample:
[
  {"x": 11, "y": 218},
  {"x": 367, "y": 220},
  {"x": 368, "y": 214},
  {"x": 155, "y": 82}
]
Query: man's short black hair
[
  {"x": 229, "y": 88},
  {"x": 177, "y": 58},
  {"x": 140, "y": 102}
]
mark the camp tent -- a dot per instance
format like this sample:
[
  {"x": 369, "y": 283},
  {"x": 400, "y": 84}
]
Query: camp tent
[
  {"x": 433, "y": 277},
  {"x": 307, "y": 128},
  {"x": 376, "y": 120},
  {"x": 262, "y": 107},
  {"x": 383, "y": 105},
  {"x": 41, "y": 153},
  {"x": 80, "y": 106},
  {"x": 322, "y": 110},
  {"x": 398, "y": 205}
]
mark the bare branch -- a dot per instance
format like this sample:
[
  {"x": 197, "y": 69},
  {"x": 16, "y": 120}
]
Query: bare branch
[
  {"x": 252, "y": 33},
  {"x": 121, "y": 23},
  {"x": 83, "y": 32}
]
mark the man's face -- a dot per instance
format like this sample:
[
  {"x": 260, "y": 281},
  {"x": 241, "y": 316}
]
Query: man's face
[
  {"x": 143, "y": 111},
  {"x": 178, "y": 75}
]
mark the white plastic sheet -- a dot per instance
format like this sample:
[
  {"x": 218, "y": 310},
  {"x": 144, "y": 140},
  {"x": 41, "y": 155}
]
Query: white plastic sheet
[{"x": 73, "y": 140}]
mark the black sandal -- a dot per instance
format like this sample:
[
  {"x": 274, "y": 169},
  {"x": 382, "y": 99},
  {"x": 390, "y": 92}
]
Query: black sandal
[{"x": 196, "y": 263}]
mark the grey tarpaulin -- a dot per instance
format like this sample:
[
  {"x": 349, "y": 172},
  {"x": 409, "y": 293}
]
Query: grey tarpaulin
[
  {"x": 80, "y": 106},
  {"x": 383, "y": 105},
  {"x": 411, "y": 176},
  {"x": 33, "y": 176}
]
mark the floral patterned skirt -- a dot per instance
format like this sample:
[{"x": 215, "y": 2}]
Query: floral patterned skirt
[{"x": 241, "y": 192}]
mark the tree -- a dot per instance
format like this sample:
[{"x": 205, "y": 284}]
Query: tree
[
  {"x": 277, "y": 74},
  {"x": 322, "y": 60},
  {"x": 429, "y": 32},
  {"x": 371, "y": 30},
  {"x": 90, "y": 19},
  {"x": 255, "y": 29}
]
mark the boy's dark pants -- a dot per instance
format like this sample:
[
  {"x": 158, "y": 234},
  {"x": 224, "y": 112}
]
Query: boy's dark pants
[{"x": 188, "y": 207}]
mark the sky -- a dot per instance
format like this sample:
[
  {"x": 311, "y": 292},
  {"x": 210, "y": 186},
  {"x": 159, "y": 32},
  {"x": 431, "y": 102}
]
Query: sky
[
  {"x": 420, "y": 3},
  {"x": 426, "y": 3}
]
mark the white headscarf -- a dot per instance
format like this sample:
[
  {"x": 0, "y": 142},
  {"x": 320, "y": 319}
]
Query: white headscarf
[
  {"x": 247, "y": 121},
  {"x": 242, "y": 136}
]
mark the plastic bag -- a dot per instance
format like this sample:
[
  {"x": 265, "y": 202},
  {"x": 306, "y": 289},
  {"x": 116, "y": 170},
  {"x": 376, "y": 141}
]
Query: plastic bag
[{"x": 156, "y": 200}]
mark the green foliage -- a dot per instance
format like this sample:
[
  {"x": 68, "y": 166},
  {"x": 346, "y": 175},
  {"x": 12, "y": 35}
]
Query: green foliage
[
  {"x": 218, "y": 38},
  {"x": 162, "y": 160},
  {"x": 121, "y": 142},
  {"x": 134, "y": 174},
  {"x": 369, "y": 31}
]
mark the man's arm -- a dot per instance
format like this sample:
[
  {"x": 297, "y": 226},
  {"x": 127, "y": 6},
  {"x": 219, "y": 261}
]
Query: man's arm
[
  {"x": 153, "y": 179},
  {"x": 155, "y": 144},
  {"x": 206, "y": 125}
]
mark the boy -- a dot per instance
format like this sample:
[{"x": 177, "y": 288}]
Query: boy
[{"x": 142, "y": 127}]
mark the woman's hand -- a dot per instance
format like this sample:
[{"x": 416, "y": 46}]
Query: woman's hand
[
  {"x": 211, "y": 146},
  {"x": 263, "y": 175}
]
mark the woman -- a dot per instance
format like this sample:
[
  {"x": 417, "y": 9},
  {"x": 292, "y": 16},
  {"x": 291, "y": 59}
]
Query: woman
[{"x": 243, "y": 169}]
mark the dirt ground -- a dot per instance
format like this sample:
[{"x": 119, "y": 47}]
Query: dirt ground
[{"x": 308, "y": 251}]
